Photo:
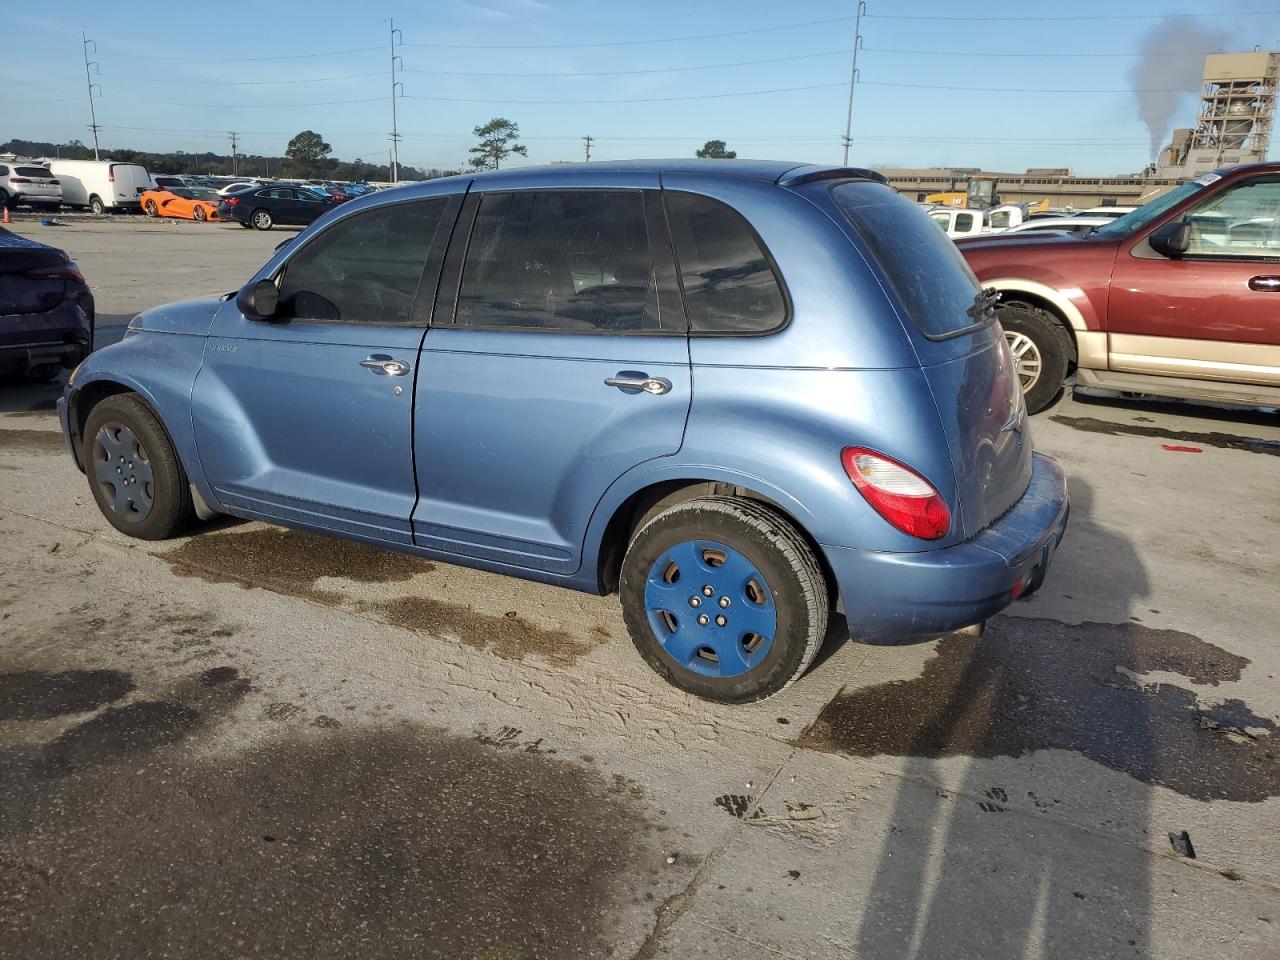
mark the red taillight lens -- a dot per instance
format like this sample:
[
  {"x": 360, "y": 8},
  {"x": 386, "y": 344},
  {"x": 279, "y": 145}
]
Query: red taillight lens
[
  {"x": 896, "y": 492},
  {"x": 19, "y": 180},
  {"x": 231, "y": 201},
  {"x": 111, "y": 174}
]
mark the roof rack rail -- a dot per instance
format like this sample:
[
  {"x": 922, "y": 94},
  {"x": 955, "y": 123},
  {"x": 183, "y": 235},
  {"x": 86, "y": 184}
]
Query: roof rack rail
[{"x": 815, "y": 172}]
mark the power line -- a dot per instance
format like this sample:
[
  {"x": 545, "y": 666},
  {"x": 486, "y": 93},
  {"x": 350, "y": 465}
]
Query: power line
[
  {"x": 632, "y": 43},
  {"x": 844, "y": 51},
  {"x": 292, "y": 56},
  {"x": 251, "y": 83},
  {"x": 1136, "y": 16},
  {"x": 704, "y": 96},
  {"x": 936, "y": 86},
  {"x": 247, "y": 106},
  {"x": 1035, "y": 55}
]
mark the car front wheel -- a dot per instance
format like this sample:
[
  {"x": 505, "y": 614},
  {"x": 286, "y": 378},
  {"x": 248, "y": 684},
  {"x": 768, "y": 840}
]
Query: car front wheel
[
  {"x": 261, "y": 220},
  {"x": 134, "y": 473},
  {"x": 97, "y": 206},
  {"x": 724, "y": 599},
  {"x": 1039, "y": 349}
]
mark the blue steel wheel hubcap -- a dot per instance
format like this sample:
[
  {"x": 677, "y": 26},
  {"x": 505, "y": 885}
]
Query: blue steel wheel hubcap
[
  {"x": 710, "y": 608},
  {"x": 123, "y": 472}
]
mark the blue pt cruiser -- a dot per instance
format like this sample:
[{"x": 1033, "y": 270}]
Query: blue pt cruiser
[{"x": 738, "y": 393}]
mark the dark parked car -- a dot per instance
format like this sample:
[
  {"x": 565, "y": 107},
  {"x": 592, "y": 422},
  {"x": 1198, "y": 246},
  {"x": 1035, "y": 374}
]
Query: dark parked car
[
  {"x": 46, "y": 310},
  {"x": 263, "y": 207},
  {"x": 739, "y": 393}
]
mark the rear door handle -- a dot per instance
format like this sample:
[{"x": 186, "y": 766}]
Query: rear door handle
[
  {"x": 386, "y": 366},
  {"x": 654, "y": 385},
  {"x": 1265, "y": 284}
]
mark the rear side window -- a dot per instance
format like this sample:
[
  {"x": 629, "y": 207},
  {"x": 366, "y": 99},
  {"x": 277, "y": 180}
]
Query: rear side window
[
  {"x": 366, "y": 268},
  {"x": 729, "y": 283},
  {"x": 931, "y": 279},
  {"x": 568, "y": 260}
]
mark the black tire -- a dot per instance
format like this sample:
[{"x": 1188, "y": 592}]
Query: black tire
[
  {"x": 247, "y": 226},
  {"x": 6, "y": 200},
  {"x": 262, "y": 219},
  {"x": 781, "y": 555},
  {"x": 169, "y": 508},
  {"x": 199, "y": 215},
  {"x": 149, "y": 208},
  {"x": 1042, "y": 337},
  {"x": 97, "y": 206}
]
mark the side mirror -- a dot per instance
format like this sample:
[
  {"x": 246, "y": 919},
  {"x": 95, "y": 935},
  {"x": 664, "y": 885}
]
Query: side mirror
[
  {"x": 1172, "y": 239},
  {"x": 259, "y": 301}
]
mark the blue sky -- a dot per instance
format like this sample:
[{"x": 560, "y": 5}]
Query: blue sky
[{"x": 175, "y": 76}]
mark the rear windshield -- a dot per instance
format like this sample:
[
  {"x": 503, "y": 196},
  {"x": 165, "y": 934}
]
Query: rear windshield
[
  {"x": 932, "y": 280},
  {"x": 33, "y": 172}
]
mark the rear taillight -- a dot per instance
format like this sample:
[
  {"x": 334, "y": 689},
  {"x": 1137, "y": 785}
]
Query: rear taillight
[
  {"x": 896, "y": 492},
  {"x": 69, "y": 272},
  {"x": 111, "y": 174},
  {"x": 231, "y": 201},
  {"x": 19, "y": 180}
]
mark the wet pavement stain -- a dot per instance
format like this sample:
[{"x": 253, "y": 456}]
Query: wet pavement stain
[
  {"x": 1226, "y": 441},
  {"x": 31, "y": 441},
  {"x": 288, "y": 561},
  {"x": 400, "y": 842},
  {"x": 40, "y": 695},
  {"x": 510, "y": 636},
  {"x": 1034, "y": 684}
]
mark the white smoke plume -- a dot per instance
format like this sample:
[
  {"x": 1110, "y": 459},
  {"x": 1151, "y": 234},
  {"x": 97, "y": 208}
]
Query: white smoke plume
[{"x": 1165, "y": 73}]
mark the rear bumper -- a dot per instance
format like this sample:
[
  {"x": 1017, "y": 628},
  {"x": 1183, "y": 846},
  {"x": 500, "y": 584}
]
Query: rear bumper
[
  {"x": 899, "y": 596},
  {"x": 62, "y": 335}
]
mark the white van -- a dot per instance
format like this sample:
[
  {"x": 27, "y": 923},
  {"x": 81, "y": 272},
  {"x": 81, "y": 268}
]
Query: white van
[{"x": 101, "y": 185}]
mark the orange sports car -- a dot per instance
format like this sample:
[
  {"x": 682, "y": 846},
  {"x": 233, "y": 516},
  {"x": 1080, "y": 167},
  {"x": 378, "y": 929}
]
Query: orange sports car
[{"x": 186, "y": 203}]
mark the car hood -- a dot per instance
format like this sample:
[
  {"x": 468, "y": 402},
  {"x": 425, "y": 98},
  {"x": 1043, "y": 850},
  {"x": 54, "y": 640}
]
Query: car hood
[
  {"x": 1042, "y": 241},
  {"x": 186, "y": 316}
]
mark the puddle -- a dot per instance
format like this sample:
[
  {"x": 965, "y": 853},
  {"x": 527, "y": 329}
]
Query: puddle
[
  {"x": 324, "y": 843},
  {"x": 291, "y": 562},
  {"x": 1033, "y": 684},
  {"x": 288, "y": 561},
  {"x": 511, "y": 636},
  {"x": 32, "y": 441},
  {"x": 1226, "y": 441},
  {"x": 38, "y": 695}
]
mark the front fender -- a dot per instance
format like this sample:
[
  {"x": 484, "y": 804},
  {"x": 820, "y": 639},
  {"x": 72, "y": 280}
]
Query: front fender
[{"x": 161, "y": 368}]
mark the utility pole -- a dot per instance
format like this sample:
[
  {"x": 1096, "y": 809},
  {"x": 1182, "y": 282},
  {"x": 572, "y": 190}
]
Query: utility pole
[
  {"x": 586, "y": 141},
  {"x": 235, "y": 142},
  {"x": 853, "y": 77},
  {"x": 395, "y": 130},
  {"x": 88, "y": 79}
]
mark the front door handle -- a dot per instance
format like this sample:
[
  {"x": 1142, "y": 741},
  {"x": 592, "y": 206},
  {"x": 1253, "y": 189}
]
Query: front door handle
[
  {"x": 386, "y": 366},
  {"x": 654, "y": 385},
  {"x": 1265, "y": 284}
]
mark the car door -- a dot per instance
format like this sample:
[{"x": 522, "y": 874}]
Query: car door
[
  {"x": 558, "y": 360},
  {"x": 306, "y": 418},
  {"x": 1214, "y": 312},
  {"x": 309, "y": 206}
]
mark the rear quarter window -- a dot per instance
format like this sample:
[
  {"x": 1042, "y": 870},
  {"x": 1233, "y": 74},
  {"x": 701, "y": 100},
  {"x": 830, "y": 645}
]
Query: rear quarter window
[
  {"x": 730, "y": 285},
  {"x": 931, "y": 279}
]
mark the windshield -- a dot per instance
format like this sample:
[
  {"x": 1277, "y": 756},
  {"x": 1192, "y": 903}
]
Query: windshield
[{"x": 1148, "y": 213}]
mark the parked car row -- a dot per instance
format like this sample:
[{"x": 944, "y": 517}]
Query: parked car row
[{"x": 105, "y": 186}]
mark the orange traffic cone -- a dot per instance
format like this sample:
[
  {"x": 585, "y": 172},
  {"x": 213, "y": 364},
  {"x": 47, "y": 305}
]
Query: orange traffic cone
[{"x": 7, "y": 218}]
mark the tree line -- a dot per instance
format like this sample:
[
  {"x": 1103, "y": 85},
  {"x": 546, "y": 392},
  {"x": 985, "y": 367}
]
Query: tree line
[{"x": 309, "y": 156}]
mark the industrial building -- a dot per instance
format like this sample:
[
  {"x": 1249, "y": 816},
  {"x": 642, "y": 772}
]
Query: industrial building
[
  {"x": 1237, "y": 106},
  {"x": 1233, "y": 125}
]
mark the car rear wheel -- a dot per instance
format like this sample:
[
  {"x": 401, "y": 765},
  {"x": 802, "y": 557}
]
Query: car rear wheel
[
  {"x": 724, "y": 599},
  {"x": 150, "y": 208},
  {"x": 96, "y": 205},
  {"x": 1039, "y": 349},
  {"x": 261, "y": 220},
  {"x": 134, "y": 473},
  {"x": 200, "y": 214}
]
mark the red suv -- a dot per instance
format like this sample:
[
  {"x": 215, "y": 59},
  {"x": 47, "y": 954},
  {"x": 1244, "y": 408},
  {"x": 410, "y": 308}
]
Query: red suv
[{"x": 1179, "y": 298}]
